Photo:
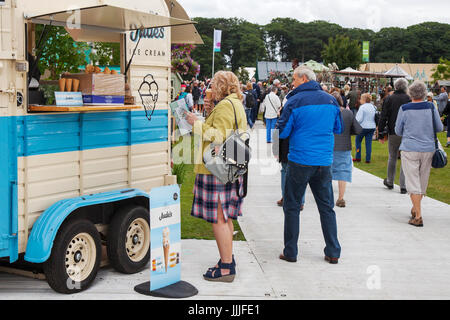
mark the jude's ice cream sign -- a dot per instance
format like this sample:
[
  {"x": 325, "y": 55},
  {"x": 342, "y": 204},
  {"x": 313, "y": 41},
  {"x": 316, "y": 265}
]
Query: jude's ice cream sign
[{"x": 153, "y": 45}]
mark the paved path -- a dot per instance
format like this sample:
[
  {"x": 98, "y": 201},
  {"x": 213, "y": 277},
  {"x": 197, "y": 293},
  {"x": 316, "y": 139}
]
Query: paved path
[{"x": 382, "y": 256}]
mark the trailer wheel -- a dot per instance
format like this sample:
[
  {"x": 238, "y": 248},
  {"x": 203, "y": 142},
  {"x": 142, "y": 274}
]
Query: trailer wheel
[
  {"x": 75, "y": 257},
  {"x": 128, "y": 241}
]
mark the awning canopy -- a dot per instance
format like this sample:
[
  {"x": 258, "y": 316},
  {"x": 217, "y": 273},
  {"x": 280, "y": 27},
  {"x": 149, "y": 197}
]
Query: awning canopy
[
  {"x": 182, "y": 34},
  {"x": 108, "y": 18},
  {"x": 104, "y": 23}
]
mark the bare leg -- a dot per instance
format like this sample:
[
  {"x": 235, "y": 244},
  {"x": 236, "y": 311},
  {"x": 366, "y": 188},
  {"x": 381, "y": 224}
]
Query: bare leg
[
  {"x": 416, "y": 200},
  {"x": 224, "y": 238},
  {"x": 342, "y": 186}
]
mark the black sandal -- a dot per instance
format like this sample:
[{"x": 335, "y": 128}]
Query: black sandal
[
  {"x": 220, "y": 261},
  {"x": 215, "y": 274}
]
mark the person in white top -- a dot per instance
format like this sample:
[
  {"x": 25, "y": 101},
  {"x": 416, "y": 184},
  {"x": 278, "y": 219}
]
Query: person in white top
[
  {"x": 189, "y": 99},
  {"x": 272, "y": 106},
  {"x": 366, "y": 118}
]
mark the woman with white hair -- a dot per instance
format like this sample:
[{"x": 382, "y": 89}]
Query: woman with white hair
[{"x": 417, "y": 123}]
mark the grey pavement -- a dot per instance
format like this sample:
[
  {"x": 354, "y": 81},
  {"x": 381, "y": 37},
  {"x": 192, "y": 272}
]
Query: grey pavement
[{"x": 382, "y": 256}]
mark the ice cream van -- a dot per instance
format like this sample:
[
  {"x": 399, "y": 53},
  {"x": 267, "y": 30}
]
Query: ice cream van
[{"x": 74, "y": 180}]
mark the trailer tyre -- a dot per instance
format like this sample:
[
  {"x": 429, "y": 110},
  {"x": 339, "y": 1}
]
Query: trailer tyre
[
  {"x": 128, "y": 241},
  {"x": 75, "y": 258}
]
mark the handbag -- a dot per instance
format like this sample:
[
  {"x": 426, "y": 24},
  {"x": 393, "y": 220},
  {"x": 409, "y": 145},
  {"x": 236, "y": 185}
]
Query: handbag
[
  {"x": 440, "y": 157},
  {"x": 377, "y": 116},
  {"x": 230, "y": 160}
]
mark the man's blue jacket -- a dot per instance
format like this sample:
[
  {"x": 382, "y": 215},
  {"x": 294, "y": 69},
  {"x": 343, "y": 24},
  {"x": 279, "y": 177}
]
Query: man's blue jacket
[{"x": 310, "y": 119}]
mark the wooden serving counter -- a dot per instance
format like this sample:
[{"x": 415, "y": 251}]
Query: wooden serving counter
[{"x": 39, "y": 108}]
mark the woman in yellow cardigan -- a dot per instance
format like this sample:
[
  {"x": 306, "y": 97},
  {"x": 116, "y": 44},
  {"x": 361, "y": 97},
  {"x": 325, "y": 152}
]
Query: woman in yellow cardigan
[{"x": 214, "y": 201}]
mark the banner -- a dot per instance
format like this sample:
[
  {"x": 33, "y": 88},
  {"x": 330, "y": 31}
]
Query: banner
[
  {"x": 165, "y": 235},
  {"x": 366, "y": 51},
  {"x": 217, "y": 40}
]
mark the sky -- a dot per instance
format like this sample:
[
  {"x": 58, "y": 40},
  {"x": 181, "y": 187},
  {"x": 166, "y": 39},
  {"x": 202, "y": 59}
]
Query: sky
[{"x": 364, "y": 14}]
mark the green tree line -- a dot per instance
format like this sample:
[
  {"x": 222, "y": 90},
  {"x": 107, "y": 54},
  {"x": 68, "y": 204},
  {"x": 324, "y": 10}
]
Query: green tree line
[{"x": 284, "y": 39}]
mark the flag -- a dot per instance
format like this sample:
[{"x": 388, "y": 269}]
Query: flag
[
  {"x": 366, "y": 51},
  {"x": 217, "y": 40}
]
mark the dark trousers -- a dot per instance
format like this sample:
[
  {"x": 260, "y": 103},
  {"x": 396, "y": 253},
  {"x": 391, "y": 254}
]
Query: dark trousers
[
  {"x": 448, "y": 126},
  {"x": 254, "y": 114},
  {"x": 249, "y": 117},
  {"x": 320, "y": 182},
  {"x": 366, "y": 134}
]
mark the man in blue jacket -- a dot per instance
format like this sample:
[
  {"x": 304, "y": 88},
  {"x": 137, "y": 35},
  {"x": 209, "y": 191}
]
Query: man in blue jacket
[{"x": 310, "y": 120}]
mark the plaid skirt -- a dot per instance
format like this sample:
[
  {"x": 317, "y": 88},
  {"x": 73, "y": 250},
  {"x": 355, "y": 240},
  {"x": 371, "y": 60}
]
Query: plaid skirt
[{"x": 208, "y": 190}]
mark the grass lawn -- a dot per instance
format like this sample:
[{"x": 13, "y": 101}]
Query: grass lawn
[
  {"x": 439, "y": 183},
  {"x": 191, "y": 227}
]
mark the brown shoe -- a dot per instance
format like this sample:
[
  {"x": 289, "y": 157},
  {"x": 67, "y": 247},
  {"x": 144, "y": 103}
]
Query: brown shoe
[
  {"x": 332, "y": 260},
  {"x": 283, "y": 257},
  {"x": 417, "y": 222},
  {"x": 340, "y": 203},
  {"x": 280, "y": 202}
]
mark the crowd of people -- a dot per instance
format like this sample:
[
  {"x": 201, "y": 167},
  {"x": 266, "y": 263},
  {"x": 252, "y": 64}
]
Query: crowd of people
[
  {"x": 194, "y": 93},
  {"x": 310, "y": 128}
]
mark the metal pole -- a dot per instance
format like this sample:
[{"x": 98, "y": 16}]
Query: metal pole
[{"x": 214, "y": 32}]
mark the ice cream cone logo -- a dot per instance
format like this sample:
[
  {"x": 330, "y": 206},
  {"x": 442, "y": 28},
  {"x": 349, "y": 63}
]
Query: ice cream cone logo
[{"x": 166, "y": 247}]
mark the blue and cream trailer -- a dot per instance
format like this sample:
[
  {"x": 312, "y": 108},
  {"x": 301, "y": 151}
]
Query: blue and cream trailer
[{"x": 74, "y": 183}]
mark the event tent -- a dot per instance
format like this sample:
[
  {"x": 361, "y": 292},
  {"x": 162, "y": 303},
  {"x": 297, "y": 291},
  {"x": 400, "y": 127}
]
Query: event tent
[
  {"x": 316, "y": 66},
  {"x": 396, "y": 70}
]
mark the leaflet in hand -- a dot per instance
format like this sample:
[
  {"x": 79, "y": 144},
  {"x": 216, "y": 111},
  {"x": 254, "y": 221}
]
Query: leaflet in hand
[{"x": 179, "y": 108}]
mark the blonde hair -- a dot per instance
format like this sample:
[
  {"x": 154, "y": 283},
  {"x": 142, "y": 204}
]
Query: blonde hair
[
  {"x": 226, "y": 83},
  {"x": 367, "y": 97},
  {"x": 249, "y": 86}
]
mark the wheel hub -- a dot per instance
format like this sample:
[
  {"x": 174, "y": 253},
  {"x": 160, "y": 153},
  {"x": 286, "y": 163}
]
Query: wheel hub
[
  {"x": 138, "y": 239},
  {"x": 77, "y": 257},
  {"x": 80, "y": 257}
]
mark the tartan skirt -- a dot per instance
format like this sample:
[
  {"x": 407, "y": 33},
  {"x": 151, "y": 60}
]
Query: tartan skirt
[{"x": 208, "y": 190}]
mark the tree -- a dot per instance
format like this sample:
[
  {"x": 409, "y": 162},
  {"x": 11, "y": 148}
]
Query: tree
[
  {"x": 284, "y": 39},
  {"x": 203, "y": 55},
  {"x": 343, "y": 51},
  {"x": 242, "y": 44},
  {"x": 442, "y": 70},
  {"x": 242, "y": 75},
  {"x": 428, "y": 42},
  {"x": 247, "y": 42},
  {"x": 60, "y": 53},
  {"x": 105, "y": 54}
]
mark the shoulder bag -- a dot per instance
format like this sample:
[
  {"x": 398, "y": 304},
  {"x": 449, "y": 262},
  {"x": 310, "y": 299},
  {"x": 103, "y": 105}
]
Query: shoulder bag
[
  {"x": 230, "y": 160},
  {"x": 439, "y": 157},
  {"x": 377, "y": 115}
]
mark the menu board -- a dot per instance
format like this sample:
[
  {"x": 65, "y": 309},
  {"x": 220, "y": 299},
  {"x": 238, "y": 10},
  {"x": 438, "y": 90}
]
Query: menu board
[{"x": 165, "y": 235}]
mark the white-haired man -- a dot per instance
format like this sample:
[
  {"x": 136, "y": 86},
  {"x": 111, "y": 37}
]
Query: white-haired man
[
  {"x": 386, "y": 126},
  {"x": 310, "y": 119}
]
